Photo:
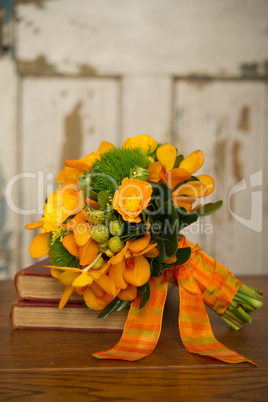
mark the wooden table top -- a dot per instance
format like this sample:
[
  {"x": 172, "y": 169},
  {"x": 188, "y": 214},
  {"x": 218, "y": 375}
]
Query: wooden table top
[{"x": 58, "y": 366}]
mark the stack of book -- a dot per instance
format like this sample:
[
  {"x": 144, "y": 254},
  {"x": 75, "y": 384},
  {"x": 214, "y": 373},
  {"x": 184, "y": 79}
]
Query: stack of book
[{"x": 37, "y": 305}]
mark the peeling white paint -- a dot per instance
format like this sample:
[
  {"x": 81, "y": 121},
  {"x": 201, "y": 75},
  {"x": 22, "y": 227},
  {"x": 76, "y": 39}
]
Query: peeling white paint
[
  {"x": 207, "y": 118},
  {"x": 174, "y": 37}
]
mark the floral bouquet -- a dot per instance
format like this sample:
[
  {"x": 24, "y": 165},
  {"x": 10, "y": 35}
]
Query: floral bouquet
[{"x": 112, "y": 230}]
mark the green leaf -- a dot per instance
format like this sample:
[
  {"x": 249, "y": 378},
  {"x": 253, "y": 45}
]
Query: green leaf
[
  {"x": 103, "y": 199},
  {"x": 123, "y": 304},
  {"x": 162, "y": 191},
  {"x": 156, "y": 268},
  {"x": 182, "y": 255},
  {"x": 142, "y": 289},
  {"x": 209, "y": 208},
  {"x": 162, "y": 251},
  {"x": 178, "y": 161},
  {"x": 145, "y": 296},
  {"x": 166, "y": 266},
  {"x": 110, "y": 308},
  {"x": 188, "y": 219},
  {"x": 170, "y": 228}
]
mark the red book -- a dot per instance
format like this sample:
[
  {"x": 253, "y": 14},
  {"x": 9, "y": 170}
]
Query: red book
[
  {"x": 36, "y": 283},
  {"x": 27, "y": 314},
  {"x": 39, "y": 295}
]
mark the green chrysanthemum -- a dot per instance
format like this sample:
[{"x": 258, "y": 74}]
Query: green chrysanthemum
[
  {"x": 61, "y": 257},
  {"x": 115, "y": 165}
]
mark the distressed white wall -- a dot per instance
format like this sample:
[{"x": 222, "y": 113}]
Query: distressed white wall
[{"x": 191, "y": 72}]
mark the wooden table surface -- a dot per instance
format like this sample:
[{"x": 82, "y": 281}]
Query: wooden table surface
[{"x": 58, "y": 366}]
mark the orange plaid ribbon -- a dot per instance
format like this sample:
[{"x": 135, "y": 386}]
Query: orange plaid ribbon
[{"x": 201, "y": 279}]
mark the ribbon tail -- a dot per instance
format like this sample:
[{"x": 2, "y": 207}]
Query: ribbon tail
[
  {"x": 143, "y": 326},
  {"x": 195, "y": 328}
]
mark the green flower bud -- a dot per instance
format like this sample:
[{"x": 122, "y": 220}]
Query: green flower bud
[
  {"x": 116, "y": 228},
  {"x": 103, "y": 246},
  {"x": 96, "y": 216},
  {"x": 115, "y": 244},
  {"x": 98, "y": 264},
  {"x": 139, "y": 173},
  {"x": 100, "y": 233},
  {"x": 109, "y": 253}
]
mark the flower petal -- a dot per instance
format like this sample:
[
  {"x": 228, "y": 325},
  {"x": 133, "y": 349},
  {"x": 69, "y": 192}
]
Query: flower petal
[
  {"x": 105, "y": 146},
  {"x": 116, "y": 273},
  {"x": 208, "y": 181},
  {"x": 39, "y": 246},
  {"x": 156, "y": 171},
  {"x": 193, "y": 162},
  {"x": 88, "y": 252},
  {"x": 180, "y": 201},
  {"x": 55, "y": 272},
  {"x": 107, "y": 284},
  {"x": 98, "y": 291},
  {"x": 70, "y": 244},
  {"x": 130, "y": 293},
  {"x": 66, "y": 278},
  {"x": 166, "y": 154},
  {"x": 68, "y": 291},
  {"x": 90, "y": 299},
  {"x": 176, "y": 176},
  {"x": 171, "y": 260},
  {"x": 146, "y": 250},
  {"x": 96, "y": 273},
  {"x": 140, "y": 274},
  {"x": 71, "y": 269},
  {"x": 139, "y": 244},
  {"x": 83, "y": 279},
  {"x": 82, "y": 233},
  {"x": 92, "y": 203},
  {"x": 151, "y": 253},
  {"x": 34, "y": 225},
  {"x": 192, "y": 189},
  {"x": 119, "y": 256},
  {"x": 144, "y": 141}
]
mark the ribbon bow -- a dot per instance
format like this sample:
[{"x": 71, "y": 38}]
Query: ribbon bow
[{"x": 200, "y": 280}]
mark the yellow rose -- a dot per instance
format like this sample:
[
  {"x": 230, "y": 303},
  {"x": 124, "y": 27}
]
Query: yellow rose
[{"x": 132, "y": 197}]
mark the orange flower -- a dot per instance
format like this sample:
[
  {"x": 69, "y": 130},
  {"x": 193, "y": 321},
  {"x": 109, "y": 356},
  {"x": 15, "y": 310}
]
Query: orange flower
[
  {"x": 132, "y": 197},
  {"x": 130, "y": 268},
  {"x": 75, "y": 168},
  {"x": 144, "y": 141}
]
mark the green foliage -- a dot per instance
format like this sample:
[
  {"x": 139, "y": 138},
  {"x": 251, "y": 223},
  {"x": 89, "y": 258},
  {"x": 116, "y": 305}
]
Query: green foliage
[
  {"x": 61, "y": 257},
  {"x": 115, "y": 305},
  {"x": 116, "y": 164},
  {"x": 178, "y": 160},
  {"x": 182, "y": 255},
  {"x": 145, "y": 293},
  {"x": 209, "y": 208}
]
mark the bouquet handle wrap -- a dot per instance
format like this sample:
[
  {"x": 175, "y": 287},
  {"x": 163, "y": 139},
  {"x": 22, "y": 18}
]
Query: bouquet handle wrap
[
  {"x": 200, "y": 280},
  {"x": 216, "y": 283}
]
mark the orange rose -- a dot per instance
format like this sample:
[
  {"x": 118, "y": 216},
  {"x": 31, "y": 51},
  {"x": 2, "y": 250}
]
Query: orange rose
[{"x": 132, "y": 197}]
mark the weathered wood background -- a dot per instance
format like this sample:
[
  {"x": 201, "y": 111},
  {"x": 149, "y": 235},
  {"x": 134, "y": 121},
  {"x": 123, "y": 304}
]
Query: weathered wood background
[{"x": 192, "y": 72}]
